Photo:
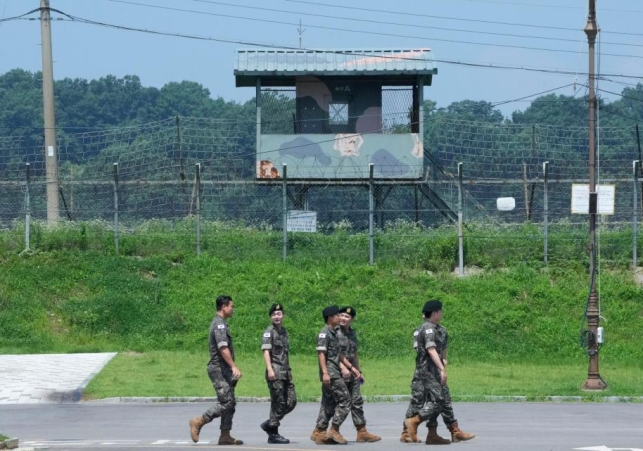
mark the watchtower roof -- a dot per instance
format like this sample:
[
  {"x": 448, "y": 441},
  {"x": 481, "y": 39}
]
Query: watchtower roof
[{"x": 279, "y": 67}]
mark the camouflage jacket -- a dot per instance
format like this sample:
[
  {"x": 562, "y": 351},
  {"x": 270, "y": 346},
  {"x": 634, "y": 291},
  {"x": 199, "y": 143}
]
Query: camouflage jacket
[
  {"x": 219, "y": 337},
  {"x": 276, "y": 341}
]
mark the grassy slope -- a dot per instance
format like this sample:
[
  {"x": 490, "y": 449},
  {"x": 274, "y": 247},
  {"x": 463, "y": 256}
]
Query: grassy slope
[{"x": 88, "y": 301}]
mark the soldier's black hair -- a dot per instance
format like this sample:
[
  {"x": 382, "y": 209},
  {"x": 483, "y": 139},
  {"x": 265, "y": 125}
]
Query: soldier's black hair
[{"x": 222, "y": 301}]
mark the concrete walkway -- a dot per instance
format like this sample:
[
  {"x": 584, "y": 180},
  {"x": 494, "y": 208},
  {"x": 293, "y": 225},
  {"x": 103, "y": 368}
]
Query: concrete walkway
[{"x": 48, "y": 378}]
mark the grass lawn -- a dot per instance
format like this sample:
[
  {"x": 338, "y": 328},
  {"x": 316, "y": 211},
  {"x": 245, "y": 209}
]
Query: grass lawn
[{"x": 178, "y": 374}]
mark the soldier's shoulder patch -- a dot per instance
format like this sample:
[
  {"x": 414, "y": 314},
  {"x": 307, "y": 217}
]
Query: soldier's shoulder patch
[
  {"x": 322, "y": 335},
  {"x": 416, "y": 333},
  {"x": 428, "y": 331},
  {"x": 266, "y": 335},
  {"x": 221, "y": 326}
]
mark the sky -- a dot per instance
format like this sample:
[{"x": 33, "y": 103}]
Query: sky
[{"x": 537, "y": 46}]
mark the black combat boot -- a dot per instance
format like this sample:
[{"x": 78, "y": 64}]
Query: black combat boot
[{"x": 276, "y": 438}]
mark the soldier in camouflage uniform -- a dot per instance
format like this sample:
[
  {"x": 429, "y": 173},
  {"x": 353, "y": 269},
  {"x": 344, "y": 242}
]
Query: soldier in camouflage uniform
[
  {"x": 433, "y": 337},
  {"x": 223, "y": 373},
  {"x": 349, "y": 347},
  {"x": 275, "y": 347},
  {"x": 335, "y": 395}
]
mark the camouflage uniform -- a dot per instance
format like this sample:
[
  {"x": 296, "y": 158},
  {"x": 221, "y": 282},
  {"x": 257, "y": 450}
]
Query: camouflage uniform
[
  {"x": 348, "y": 347},
  {"x": 448, "y": 416},
  {"x": 417, "y": 386},
  {"x": 336, "y": 400},
  {"x": 220, "y": 374},
  {"x": 426, "y": 390},
  {"x": 282, "y": 390}
]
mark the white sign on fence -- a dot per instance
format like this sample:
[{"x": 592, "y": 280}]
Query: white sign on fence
[
  {"x": 301, "y": 221},
  {"x": 580, "y": 199},
  {"x": 506, "y": 203}
]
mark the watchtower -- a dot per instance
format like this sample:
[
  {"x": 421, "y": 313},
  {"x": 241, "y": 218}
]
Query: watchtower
[{"x": 328, "y": 114}]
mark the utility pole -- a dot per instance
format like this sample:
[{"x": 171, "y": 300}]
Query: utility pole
[
  {"x": 593, "y": 381},
  {"x": 51, "y": 152}
]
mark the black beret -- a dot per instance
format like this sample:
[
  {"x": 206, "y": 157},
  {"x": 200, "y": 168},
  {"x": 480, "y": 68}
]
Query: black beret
[
  {"x": 350, "y": 310},
  {"x": 275, "y": 308},
  {"x": 330, "y": 311},
  {"x": 432, "y": 306}
]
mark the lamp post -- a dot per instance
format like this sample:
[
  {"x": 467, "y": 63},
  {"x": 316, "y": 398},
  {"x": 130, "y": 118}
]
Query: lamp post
[{"x": 593, "y": 381}]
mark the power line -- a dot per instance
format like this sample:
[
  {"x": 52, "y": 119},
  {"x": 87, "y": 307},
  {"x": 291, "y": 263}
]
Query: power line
[
  {"x": 377, "y": 33},
  {"x": 8, "y": 19},
  {"x": 369, "y": 21},
  {"x": 402, "y": 13},
  {"x": 621, "y": 95},
  {"x": 286, "y": 47},
  {"x": 493, "y": 22},
  {"x": 550, "y": 6}
]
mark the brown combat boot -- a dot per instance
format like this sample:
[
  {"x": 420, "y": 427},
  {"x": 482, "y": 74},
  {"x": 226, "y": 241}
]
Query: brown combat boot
[
  {"x": 196, "y": 424},
  {"x": 227, "y": 439},
  {"x": 319, "y": 436},
  {"x": 364, "y": 436},
  {"x": 433, "y": 438},
  {"x": 457, "y": 435},
  {"x": 412, "y": 427},
  {"x": 334, "y": 435},
  {"x": 404, "y": 437}
]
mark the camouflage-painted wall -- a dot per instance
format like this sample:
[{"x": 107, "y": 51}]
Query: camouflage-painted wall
[
  {"x": 341, "y": 156},
  {"x": 338, "y": 134}
]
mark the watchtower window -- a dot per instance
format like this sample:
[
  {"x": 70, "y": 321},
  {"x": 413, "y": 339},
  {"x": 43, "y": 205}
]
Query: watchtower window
[{"x": 338, "y": 113}]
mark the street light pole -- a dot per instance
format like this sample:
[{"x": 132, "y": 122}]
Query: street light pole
[
  {"x": 593, "y": 381},
  {"x": 51, "y": 152}
]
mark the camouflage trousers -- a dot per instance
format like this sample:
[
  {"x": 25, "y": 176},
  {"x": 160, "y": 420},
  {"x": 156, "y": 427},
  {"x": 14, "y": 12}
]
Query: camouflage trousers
[
  {"x": 226, "y": 402},
  {"x": 429, "y": 399},
  {"x": 282, "y": 400},
  {"x": 335, "y": 403},
  {"x": 357, "y": 404}
]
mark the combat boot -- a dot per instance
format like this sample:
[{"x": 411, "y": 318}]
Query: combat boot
[
  {"x": 457, "y": 435},
  {"x": 364, "y": 436},
  {"x": 276, "y": 438},
  {"x": 318, "y": 434},
  {"x": 433, "y": 438},
  {"x": 196, "y": 424},
  {"x": 404, "y": 437},
  {"x": 334, "y": 435},
  {"x": 227, "y": 439},
  {"x": 412, "y": 427}
]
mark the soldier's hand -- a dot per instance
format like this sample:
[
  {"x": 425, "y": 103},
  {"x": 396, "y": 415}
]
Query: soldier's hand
[
  {"x": 345, "y": 373},
  {"x": 326, "y": 379},
  {"x": 236, "y": 373},
  {"x": 443, "y": 377},
  {"x": 271, "y": 375},
  {"x": 445, "y": 363}
]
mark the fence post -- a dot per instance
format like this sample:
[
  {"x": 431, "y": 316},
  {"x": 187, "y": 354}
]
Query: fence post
[
  {"x": 371, "y": 214},
  {"x": 28, "y": 207},
  {"x": 284, "y": 202},
  {"x": 635, "y": 166},
  {"x": 546, "y": 212},
  {"x": 197, "y": 188},
  {"x": 460, "y": 236},
  {"x": 116, "y": 207}
]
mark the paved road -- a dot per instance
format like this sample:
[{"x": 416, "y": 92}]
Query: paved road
[
  {"x": 39, "y": 394},
  {"x": 47, "y": 378},
  {"x": 499, "y": 426}
]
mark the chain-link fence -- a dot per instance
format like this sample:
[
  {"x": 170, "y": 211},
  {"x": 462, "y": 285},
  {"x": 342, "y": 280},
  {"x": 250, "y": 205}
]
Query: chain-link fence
[{"x": 137, "y": 177}]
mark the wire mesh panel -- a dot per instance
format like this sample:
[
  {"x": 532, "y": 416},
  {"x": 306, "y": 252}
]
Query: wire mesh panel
[{"x": 155, "y": 190}]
